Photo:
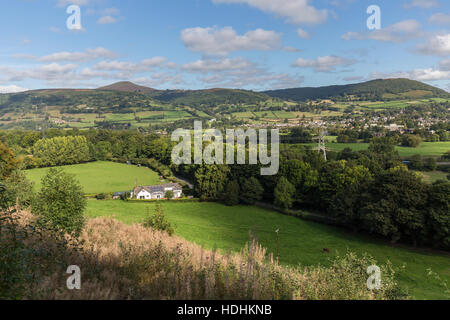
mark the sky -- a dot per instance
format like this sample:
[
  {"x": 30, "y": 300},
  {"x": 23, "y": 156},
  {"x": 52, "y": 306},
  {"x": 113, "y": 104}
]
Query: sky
[{"x": 195, "y": 44}]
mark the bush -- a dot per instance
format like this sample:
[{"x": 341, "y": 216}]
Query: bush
[
  {"x": 159, "y": 221},
  {"x": 61, "y": 203},
  {"x": 169, "y": 195},
  {"x": 347, "y": 279},
  {"x": 101, "y": 196}
]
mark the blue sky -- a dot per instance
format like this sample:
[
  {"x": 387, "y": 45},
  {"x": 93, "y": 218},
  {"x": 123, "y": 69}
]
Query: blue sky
[{"x": 193, "y": 44}]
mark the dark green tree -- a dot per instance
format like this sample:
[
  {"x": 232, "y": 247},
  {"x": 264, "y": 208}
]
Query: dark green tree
[
  {"x": 251, "y": 191},
  {"x": 439, "y": 213},
  {"x": 211, "y": 181},
  {"x": 60, "y": 203},
  {"x": 284, "y": 194},
  {"x": 232, "y": 193},
  {"x": 395, "y": 206}
]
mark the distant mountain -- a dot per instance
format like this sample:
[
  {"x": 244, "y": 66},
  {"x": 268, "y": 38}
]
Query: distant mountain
[
  {"x": 375, "y": 89},
  {"x": 127, "y": 86}
]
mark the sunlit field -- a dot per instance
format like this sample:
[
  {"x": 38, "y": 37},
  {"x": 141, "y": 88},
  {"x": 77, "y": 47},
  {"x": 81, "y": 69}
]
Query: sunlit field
[{"x": 212, "y": 224}]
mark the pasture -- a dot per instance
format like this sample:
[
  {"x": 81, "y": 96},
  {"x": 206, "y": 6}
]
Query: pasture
[
  {"x": 301, "y": 242},
  {"x": 102, "y": 177}
]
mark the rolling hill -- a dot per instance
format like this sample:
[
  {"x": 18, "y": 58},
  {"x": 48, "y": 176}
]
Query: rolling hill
[
  {"x": 375, "y": 89},
  {"x": 127, "y": 97},
  {"x": 191, "y": 97},
  {"x": 127, "y": 86}
]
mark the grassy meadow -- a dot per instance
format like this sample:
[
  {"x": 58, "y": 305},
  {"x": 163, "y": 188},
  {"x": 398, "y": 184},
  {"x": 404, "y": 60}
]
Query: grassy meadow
[
  {"x": 212, "y": 224},
  {"x": 103, "y": 177}
]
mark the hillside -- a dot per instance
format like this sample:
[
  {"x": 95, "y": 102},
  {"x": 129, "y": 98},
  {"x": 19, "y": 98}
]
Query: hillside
[
  {"x": 145, "y": 264},
  {"x": 210, "y": 97},
  {"x": 375, "y": 89},
  {"x": 127, "y": 86}
]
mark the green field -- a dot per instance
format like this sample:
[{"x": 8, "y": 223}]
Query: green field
[
  {"x": 434, "y": 176},
  {"x": 103, "y": 177},
  {"x": 212, "y": 224},
  {"x": 431, "y": 149}
]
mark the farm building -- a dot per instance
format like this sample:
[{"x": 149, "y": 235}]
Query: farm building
[{"x": 157, "y": 192}]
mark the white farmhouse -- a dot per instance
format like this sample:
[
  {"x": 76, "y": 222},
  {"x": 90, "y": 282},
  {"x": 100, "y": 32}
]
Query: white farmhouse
[{"x": 157, "y": 192}]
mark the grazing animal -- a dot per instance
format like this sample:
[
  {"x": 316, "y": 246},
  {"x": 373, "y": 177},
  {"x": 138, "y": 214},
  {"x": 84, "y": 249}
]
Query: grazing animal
[{"x": 326, "y": 250}]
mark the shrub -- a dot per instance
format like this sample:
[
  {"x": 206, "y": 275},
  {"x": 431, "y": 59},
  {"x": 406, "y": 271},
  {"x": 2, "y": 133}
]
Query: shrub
[
  {"x": 347, "y": 278},
  {"x": 61, "y": 203},
  {"x": 159, "y": 221},
  {"x": 169, "y": 195},
  {"x": 101, "y": 196}
]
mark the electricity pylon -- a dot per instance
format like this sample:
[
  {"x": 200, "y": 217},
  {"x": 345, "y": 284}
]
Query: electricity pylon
[{"x": 322, "y": 148}]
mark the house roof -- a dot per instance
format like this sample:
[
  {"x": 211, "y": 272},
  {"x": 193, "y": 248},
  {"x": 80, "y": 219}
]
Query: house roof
[{"x": 158, "y": 188}]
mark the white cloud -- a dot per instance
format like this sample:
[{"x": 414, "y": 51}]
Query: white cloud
[
  {"x": 440, "y": 19},
  {"x": 303, "y": 34},
  {"x": 239, "y": 73},
  {"x": 106, "y": 20},
  {"x": 437, "y": 45},
  {"x": 88, "y": 55},
  {"x": 428, "y": 74},
  {"x": 323, "y": 64},
  {"x": 398, "y": 32},
  {"x": 55, "y": 68},
  {"x": 294, "y": 11},
  {"x": 154, "y": 62},
  {"x": 212, "y": 41},
  {"x": 11, "y": 89},
  {"x": 130, "y": 68},
  {"x": 422, "y": 4},
  {"x": 118, "y": 66},
  {"x": 208, "y": 65},
  {"x": 161, "y": 79}
]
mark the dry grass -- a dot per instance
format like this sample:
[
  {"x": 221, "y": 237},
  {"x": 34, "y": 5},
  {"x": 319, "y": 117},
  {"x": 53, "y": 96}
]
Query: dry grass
[{"x": 123, "y": 262}]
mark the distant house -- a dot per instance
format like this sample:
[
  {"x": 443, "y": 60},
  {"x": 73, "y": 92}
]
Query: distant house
[{"x": 157, "y": 192}]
